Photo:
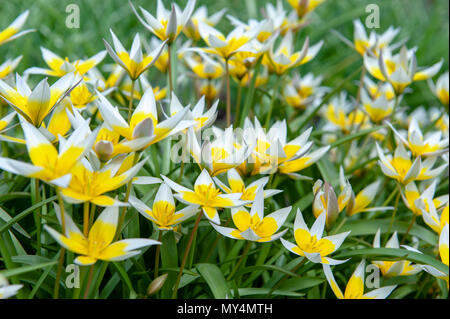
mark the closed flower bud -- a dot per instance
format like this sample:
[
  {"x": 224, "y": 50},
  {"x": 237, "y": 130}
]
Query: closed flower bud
[
  {"x": 325, "y": 200},
  {"x": 104, "y": 150},
  {"x": 156, "y": 284}
]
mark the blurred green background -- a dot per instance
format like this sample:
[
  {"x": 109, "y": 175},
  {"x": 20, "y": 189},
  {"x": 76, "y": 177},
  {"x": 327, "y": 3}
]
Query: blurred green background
[{"x": 423, "y": 22}]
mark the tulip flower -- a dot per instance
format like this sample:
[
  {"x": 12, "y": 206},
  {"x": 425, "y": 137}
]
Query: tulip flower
[
  {"x": 4, "y": 122},
  {"x": 363, "y": 199},
  {"x": 144, "y": 120},
  {"x": 191, "y": 29},
  {"x": 225, "y": 47},
  {"x": 281, "y": 20},
  {"x": 430, "y": 214},
  {"x": 134, "y": 62},
  {"x": 203, "y": 119},
  {"x": 412, "y": 194},
  {"x": 11, "y": 32},
  {"x": 35, "y": 105},
  {"x": 206, "y": 195},
  {"x": 163, "y": 212},
  {"x": 254, "y": 226},
  {"x": 48, "y": 164},
  {"x": 431, "y": 144},
  {"x": 441, "y": 89},
  {"x": 90, "y": 185},
  {"x": 7, "y": 290},
  {"x": 363, "y": 43},
  {"x": 9, "y": 66},
  {"x": 98, "y": 245},
  {"x": 219, "y": 155},
  {"x": 273, "y": 153},
  {"x": 355, "y": 286},
  {"x": 237, "y": 185},
  {"x": 394, "y": 268},
  {"x": 400, "y": 70},
  {"x": 377, "y": 108},
  {"x": 302, "y": 92},
  {"x": 167, "y": 25},
  {"x": 376, "y": 90},
  {"x": 60, "y": 67},
  {"x": 311, "y": 244},
  {"x": 342, "y": 116},
  {"x": 303, "y": 7},
  {"x": 401, "y": 168},
  {"x": 205, "y": 67},
  {"x": 326, "y": 201},
  {"x": 443, "y": 247},
  {"x": 284, "y": 58}
]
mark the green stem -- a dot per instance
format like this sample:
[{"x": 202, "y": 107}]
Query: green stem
[
  {"x": 244, "y": 254},
  {"x": 272, "y": 101},
  {"x": 86, "y": 219},
  {"x": 394, "y": 212},
  {"x": 130, "y": 104},
  {"x": 227, "y": 76},
  {"x": 86, "y": 292},
  {"x": 186, "y": 253},
  {"x": 413, "y": 220},
  {"x": 37, "y": 217},
  {"x": 92, "y": 215},
  {"x": 157, "y": 253},
  {"x": 63, "y": 250},
  {"x": 238, "y": 105}
]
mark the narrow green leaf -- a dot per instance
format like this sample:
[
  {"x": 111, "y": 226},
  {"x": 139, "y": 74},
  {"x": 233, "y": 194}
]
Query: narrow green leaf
[{"x": 215, "y": 280}]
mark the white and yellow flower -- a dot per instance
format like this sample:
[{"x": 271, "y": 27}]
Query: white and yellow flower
[
  {"x": 431, "y": 144},
  {"x": 401, "y": 168},
  {"x": 430, "y": 214},
  {"x": 377, "y": 108},
  {"x": 363, "y": 43},
  {"x": 400, "y": 69},
  {"x": 303, "y": 7},
  {"x": 326, "y": 201},
  {"x": 60, "y": 67},
  {"x": 134, "y": 62},
  {"x": 191, "y": 29},
  {"x": 359, "y": 203},
  {"x": 163, "y": 212},
  {"x": 91, "y": 185},
  {"x": 49, "y": 164},
  {"x": 144, "y": 120},
  {"x": 221, "y": 154},
  {"x": 272, "y": 153},
  {"x": 411, "y": 194},
  {"x": 167, "y": 25},
  {"x": 7, "y": 290},
  {"x": 253, "y": 225},
  {"x": 311, "y": 244},
  {"x": 35, "y": 105},
  {"x": 202, "y": 119},
  {"x": 4, "y": 122},
  {"x": 206, "y": 195},
  {"x": 443, "y": 247},
  {"x": 393, "y": 268},
  {"x": 236, "y": 185},
  {"x": 7, "y": 67},
  {"x": 303, "y": 91},
  {"x": 355, "y": 286},
  {"x": 441, "y": 89},
  {"x": 284, "y": 58},
  {"x": 98, "y": 245},
  {"x": 238, "y": 40},
  {"x": 11, "y": 32},
  {"x": 205, "y": 67}
]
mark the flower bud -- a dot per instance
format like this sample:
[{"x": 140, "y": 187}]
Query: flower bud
[
  {"x": 156, "y": 284},
  {"x": 325, "y": 200},
  {"x": 104, "y": 150}
]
